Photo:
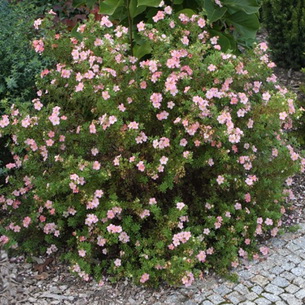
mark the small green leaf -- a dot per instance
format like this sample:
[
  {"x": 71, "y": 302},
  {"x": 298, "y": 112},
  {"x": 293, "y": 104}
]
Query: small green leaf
[
  {"x": 154, "y": 3},
  {"x": 177, "y": 1},
  {"x": 108, "y": 7},
  {"x": 141, "y": 50},
  {"x": 134, "y": 9}
]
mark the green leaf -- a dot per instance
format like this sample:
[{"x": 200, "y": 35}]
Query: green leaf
[
  {"x": 154, "y": 3},
  {"x": 248, "y": 6},
  {"x": 177, "y": 1},
  {"x": 214, "y": 12},
  {"x": 134, "y": 9},
  {"x": 246, "y": 25},
  {"x": 76, "y": 34},
  {"x": 77, "y": 3},
  {"x": 142, "y": 50},
  {"x": 226, "y": 42},
  {"x": 88, "y": 3},
  {"x": 187, "y": 11},
  {"x": 108, "y": 7}
]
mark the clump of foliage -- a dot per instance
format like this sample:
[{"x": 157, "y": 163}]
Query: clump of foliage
[
  {"x": 154, "y": 170},
  {"x": 285, "y": 23},
  {"x": 235, "y": 22},
  {"x": 19, "y": 62}
]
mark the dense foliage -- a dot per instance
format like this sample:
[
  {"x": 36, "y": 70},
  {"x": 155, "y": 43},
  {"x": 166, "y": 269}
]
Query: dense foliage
[
  {"x": 19, "y": 63},
  {"x": 285, "y": 23},
  {"x": 154, "y": 169},
  {"x": 235, "y": 22}
]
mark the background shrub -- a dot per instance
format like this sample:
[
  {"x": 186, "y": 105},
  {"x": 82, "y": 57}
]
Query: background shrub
[
  {"x": 154, "y": 169},
  {"x": 285, "y": 23}
]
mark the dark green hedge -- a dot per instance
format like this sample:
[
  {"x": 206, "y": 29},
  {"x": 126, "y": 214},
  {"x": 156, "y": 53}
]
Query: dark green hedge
[{"x": 285, "y": 23}]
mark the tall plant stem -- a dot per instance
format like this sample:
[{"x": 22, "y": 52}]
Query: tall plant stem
[{"x": 130, "y": 26}]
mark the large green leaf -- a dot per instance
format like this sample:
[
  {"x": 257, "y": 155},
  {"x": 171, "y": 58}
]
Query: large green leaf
[
  {"x": 142, "y": 50},
  {"x": 246, "y": 25},
  {"x": 248, "y": 6},
  {"x": 108, "y": 7},
  {"x": 213, "y": 11},
  {"x": 154, "y": 3},
  {"x": 134, "y": 9},
  {"x": 187, "y": 11},
  {"x": 226, "y": 41}
]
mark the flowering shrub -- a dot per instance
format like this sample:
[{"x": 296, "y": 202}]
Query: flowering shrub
[{"x": 155, "y": 170}]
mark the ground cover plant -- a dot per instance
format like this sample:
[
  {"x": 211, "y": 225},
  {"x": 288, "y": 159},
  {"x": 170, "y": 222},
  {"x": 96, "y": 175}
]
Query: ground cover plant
[{"x": 154, "y": 169}]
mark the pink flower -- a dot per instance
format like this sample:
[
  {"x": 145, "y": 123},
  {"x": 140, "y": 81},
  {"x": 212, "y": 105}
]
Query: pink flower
[
  {"x": 266, "y": 96},
  {"x": 124, "y": 238},
  {"x": 185, "y": 40},
  {"x": 283, "y": 115},
  {"x": 94, "y": 151},
  {"x": 152, "y": 201},
  {"x": 156, "y": 99},
  {"x": 105, "y": 95},
  {"x": 141, "y": 166},
  {"x": 263, "y": 46},
  {"x": 114, "y": 229},
  {"x": 79, "y": 87},
  {"x": 144, "y": 213},
  {"x": 98, "y": 193},
  {"x": 4, "y": 239},
  {"x": 201, "y": 23},
  {"x": 212, "y": 68},
  {"x": 49, "y": 142},
  {"x": 201, "y": 256},
  {"x": 117, "y": 262},
  {"x": 65, "y": 73},
  {"x": 26, "y": 221},
  {"x": 168, "y": 10},
  {"x": 160, "y": 15},
  {"x": 163, "y": 160},
  {"x": 96, "y": 165},
  {"x": 269, "y": 222},
  {"x": 183, "y": 142},
  {"x": 141, "y": 26},
  {"x": 180, "y": 205},
  {"x": 121, "y": 107},
  {"x": 247, "y": 197},
  {"x": 38, "y": 46},
  {"x": 133, "y": 125},
  {"x": 82, "y": 253},
  {"x": 144, "y": 278},
  {"x": 91, "y": 218},
  {"x": 37, "y": 23},
  {"x": 264, "y": 250},
  {"x": 106, "y": 22},
  {"x": 162, "y": 115},
  {"x": 92, "y": 128},
  {"x": 220, "y": 179}
]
